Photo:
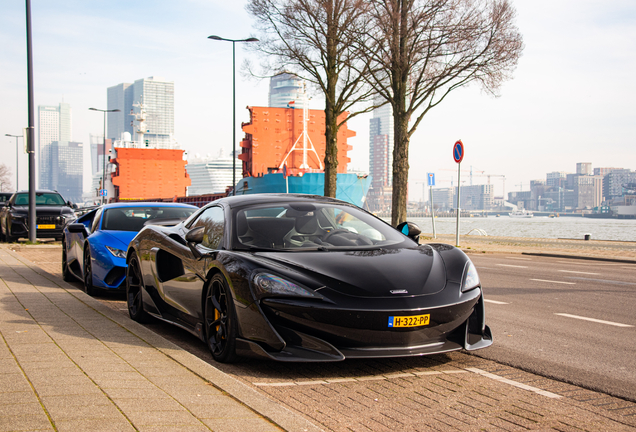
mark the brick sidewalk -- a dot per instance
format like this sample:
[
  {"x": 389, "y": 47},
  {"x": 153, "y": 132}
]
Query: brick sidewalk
[{"x": 69, "y": 363}]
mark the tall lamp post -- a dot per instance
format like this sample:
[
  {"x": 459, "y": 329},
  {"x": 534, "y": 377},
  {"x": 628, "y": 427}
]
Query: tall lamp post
[
  {"x": 233, "y": 101},
  {"x": 104, "y": 148},
  {"x": 16, "y": 158}
]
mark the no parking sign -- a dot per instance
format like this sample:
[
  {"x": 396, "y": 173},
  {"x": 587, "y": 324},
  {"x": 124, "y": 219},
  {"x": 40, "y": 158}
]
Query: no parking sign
[{"x": 458, "y": 151}]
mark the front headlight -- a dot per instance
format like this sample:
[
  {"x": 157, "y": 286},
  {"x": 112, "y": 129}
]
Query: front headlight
[
  {"x": 267, "y": 284},
  {"x": 116, "y": 252},
  {"x": 471, "y": 278}
]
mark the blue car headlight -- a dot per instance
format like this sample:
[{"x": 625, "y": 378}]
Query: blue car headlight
[
  {"x": 267, "y": 284},
  {"x": 116, "y": 252},
  {"x": 471, "y": 278}
]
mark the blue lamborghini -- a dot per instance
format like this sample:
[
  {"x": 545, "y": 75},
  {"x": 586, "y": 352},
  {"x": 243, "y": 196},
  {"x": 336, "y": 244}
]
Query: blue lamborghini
[{"x": 94, "y": 246}]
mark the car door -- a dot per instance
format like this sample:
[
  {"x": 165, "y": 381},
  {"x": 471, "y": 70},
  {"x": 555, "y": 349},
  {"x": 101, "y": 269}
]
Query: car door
[
  {"x": 184, "y": 292},
  {"x": 75, "y": 242}
]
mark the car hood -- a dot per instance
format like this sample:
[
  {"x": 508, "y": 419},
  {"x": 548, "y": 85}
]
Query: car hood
[
  {"x": 364, "y": 273},
  {"x": 42, "y": 209},
  {"x": 117, "y": 239}
]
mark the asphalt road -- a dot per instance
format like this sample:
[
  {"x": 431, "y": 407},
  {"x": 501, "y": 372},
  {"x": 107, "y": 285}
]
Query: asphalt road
[
  {"x": 566, "y": 319},
  {"x": 572, "y": 320}
]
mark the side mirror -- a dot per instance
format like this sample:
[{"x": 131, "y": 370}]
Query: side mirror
[
  {"x": 195, "y": 235},
  {"x": 410, "y": 230},
  {"x": 78, "y": 228}
]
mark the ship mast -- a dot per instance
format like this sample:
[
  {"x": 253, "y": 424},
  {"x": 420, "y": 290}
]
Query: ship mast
[
  {"x": 307, "y": 144},
  {"x": 140, "y": 118}
]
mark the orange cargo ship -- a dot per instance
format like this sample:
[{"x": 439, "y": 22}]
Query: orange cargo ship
[{"x": 148, "y": 173}]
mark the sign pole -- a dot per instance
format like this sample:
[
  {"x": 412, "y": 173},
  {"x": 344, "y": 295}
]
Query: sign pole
[
  {"x": 431, "y": 183},
  {"x": 458, "y": 155},
  {"x": 433, "y": 213},
  {"x": 459, "y": 185}
]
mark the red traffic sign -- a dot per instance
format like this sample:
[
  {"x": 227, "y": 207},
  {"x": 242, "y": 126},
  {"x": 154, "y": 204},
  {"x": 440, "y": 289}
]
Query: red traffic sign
[{"x": 458, "y": 151}]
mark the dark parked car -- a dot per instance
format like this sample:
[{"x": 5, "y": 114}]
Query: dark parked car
[
  {"x": 52, "y": 213},
  {"x": 305, "y": 278},
  {"x": 94, "y": 247},
  {"x": 4, "y": 197}
]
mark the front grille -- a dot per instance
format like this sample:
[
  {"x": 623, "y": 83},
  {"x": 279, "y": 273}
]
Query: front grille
[{"x": 48, "y": 220}]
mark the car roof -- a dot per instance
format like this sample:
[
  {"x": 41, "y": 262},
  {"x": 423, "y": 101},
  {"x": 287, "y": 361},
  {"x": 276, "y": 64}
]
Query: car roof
[
  {"x": 40, "y": 191},
  {"x": 264, "y": 198},
  {"x": 147, "y": 204}
]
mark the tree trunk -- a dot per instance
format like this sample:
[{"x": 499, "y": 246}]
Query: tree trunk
[
  {"x": 400, "y": 73},
  {"x": 331, "y": 151},
  {"x": 331, "y": 117},
  {"x": 400, "y": 169}
]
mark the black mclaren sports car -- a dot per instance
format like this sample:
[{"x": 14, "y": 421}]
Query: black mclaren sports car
[{"x": 305, "y": 278}]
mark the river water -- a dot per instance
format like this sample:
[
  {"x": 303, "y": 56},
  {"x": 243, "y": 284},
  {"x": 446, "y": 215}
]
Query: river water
[{"x": 536, "y": 227}]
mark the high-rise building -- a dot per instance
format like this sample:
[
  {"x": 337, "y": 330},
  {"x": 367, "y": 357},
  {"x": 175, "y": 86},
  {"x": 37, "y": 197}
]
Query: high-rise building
[
  {"x": 61, "y": 168},
  {"x": 54, "y": 126},
  {"x": 381, "y": 157},
  {"x": 157, "y": 96},
  {"x": 604, "y": 171},
  {"x": 286, "y": 91},
  {"x": 476, "y": 197},
  {"x": 119, "y": 97},
  {"x": 556, "y": 179},
  {"x": 584, "y": 168}
]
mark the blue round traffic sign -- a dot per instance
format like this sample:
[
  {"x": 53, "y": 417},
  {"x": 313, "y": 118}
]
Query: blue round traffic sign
[{"x": 458, "y": 151}]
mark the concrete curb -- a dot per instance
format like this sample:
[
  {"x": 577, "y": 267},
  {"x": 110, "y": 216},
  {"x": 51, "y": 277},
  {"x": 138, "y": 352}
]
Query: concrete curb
[
  {"x": 263, "y": 405},
  {"x": 582, "y": 257}
]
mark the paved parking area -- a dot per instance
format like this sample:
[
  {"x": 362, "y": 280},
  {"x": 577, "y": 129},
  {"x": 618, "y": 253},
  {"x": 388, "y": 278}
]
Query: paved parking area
[{"x": 445, "y": 392}]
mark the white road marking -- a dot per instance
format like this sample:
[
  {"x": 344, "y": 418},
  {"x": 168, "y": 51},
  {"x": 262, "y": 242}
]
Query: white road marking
[
  {"x": 578, "y": 272},
  {"x": 594, "y": 320},
  {"x": 514, "y": 383},
  {"x": 484, "y": 268},
  {"x": 603, "y": 281},
  {"x": 510, "y": 265},
  {"x": 495, "y": 302},
  {"x": 519, "y": 258},
  {"x": 358, "y": 379},
  {"x": 556, "y": 282}
]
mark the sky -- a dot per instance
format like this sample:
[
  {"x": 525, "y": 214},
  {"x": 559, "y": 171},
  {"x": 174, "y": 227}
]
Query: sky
[{"x": 571, "y": 98}]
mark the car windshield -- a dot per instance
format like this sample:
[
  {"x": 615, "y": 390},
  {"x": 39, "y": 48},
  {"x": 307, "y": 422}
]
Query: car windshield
[
  {"x": 41, "y": 199},
  {"x": 311, "y": 226},
  {"x": 134, "y": 218}
]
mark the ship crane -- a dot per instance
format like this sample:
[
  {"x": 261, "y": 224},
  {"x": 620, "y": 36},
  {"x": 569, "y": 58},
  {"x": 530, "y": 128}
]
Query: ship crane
[{"x": 305, "y": 136}]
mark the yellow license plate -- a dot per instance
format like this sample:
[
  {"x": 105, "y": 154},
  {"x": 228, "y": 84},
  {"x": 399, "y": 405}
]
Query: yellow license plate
[
  {"x": 45, "y": 226},
  {"x": 409, "y": 321}
]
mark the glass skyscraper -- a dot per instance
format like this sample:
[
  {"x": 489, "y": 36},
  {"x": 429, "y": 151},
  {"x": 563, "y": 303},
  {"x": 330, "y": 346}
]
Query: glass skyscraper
[
  {"x": 61, "y": 164},
  {"x": 285, "y": 88},
  {"x": 381, "y": 157},
  {"x": 61, "y": 160},
  {"x": 157, "y": 95}
]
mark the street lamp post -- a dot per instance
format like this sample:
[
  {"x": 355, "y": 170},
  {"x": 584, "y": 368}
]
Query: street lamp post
[
  {"x": 233, "y": 101},
  {"x": 16, "y": 158},
  {"x": 104, "y": 148}
]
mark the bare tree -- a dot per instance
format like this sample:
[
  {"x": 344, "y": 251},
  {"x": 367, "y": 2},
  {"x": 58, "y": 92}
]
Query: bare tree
[
  {"x": 5, "y": 177},
  {"x": 315, "y": 39},
  {"x": 424, "y": 49}
]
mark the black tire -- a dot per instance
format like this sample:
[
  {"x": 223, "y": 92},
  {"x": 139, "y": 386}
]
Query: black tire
[
  {"x": 220, "y": 320},
  {"x": 88, "y": 273},
  {"x": 66, "y": 274},
  {"x": 8, "y": 237},
  {"x": 134, "y": 290}
]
